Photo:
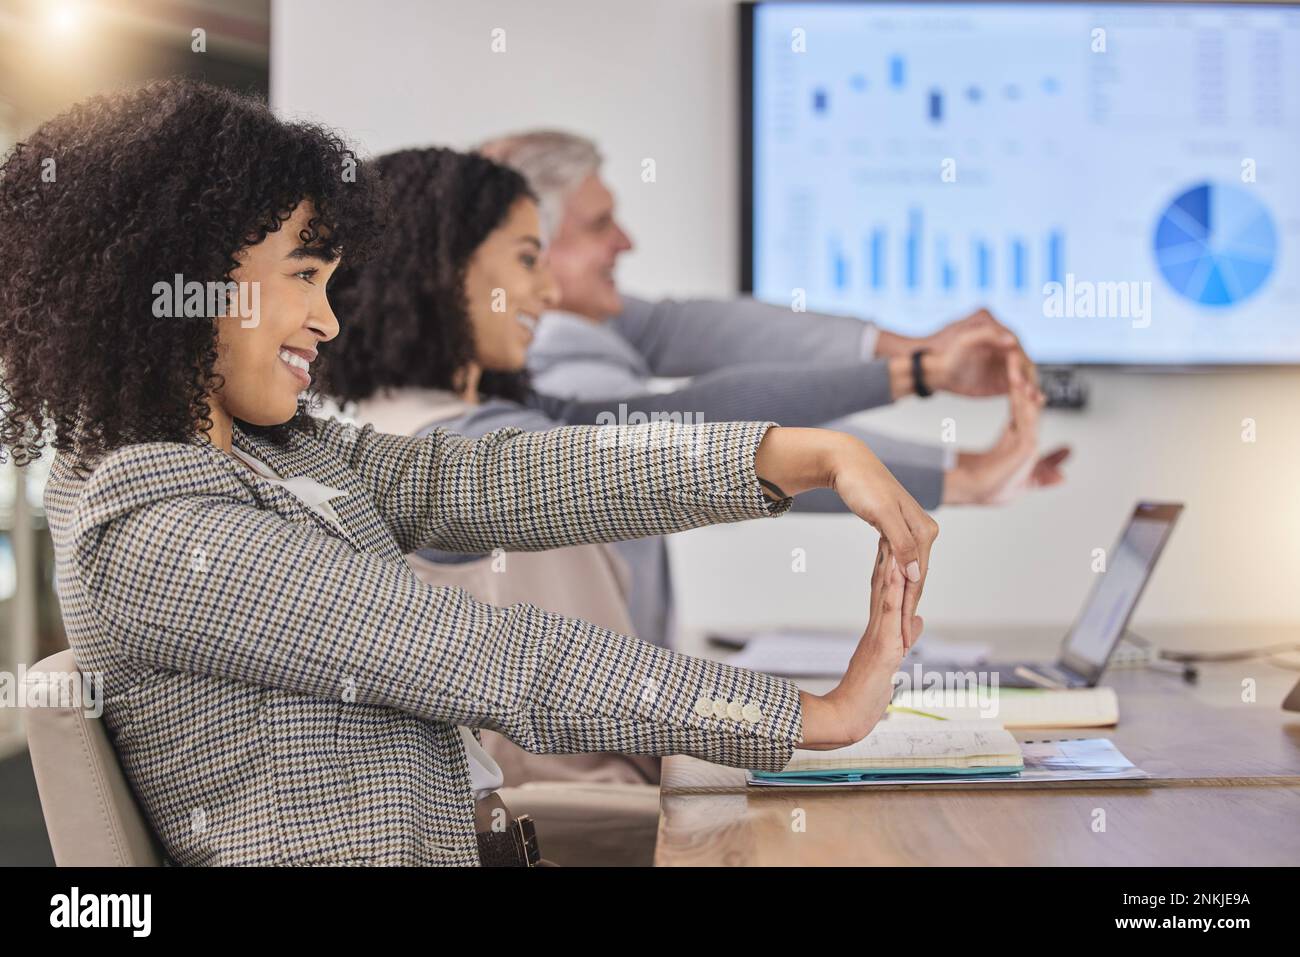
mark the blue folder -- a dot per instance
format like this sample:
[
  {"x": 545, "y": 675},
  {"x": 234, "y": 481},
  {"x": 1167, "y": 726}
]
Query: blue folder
[{"x": 850, "y": 774}]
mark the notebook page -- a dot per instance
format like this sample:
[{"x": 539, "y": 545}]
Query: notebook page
[{"x": 919, "y": 743}]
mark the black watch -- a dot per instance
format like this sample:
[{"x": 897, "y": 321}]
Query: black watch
[{"x": 918, "y": 377}]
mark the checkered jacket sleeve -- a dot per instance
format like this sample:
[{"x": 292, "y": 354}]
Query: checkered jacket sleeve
[
  {"x": 279, "y": 604},
  {"x": 566, "y": 486}
]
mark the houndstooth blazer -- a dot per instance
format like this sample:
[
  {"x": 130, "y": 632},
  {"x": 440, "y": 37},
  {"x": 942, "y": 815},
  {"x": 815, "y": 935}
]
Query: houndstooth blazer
[{"x": 280, "y": 692}]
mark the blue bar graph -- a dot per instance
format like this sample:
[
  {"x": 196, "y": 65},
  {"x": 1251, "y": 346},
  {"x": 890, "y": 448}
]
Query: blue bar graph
[
  {"x": 947, "y": 272},
  {"x": 876, "y": 256},
  {"x": 983, "y": 263},
  {"x": 1055, "y": 245},
  {"x": 960, "y": 264},
  {"x": 896, "y": 72},
  {"x": 912, "y": 250},
  {"x": 839, "y": 267}
]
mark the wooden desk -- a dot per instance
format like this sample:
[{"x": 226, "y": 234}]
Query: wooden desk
[{"x": 1226, "y": 791}]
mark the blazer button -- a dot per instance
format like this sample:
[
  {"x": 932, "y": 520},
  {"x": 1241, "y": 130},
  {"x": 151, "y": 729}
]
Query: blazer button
[
  {"x": 720, "y": 708},
  {"x": 735, "y": 711},
  {"x": 704, "y": 708},
  {"x": 751, "y": 713}
]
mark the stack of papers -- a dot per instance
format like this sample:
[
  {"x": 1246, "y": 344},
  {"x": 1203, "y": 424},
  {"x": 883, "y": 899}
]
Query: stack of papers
[
  {"x": 909, "y": 748},
  {"x": 914, "y": 750}
]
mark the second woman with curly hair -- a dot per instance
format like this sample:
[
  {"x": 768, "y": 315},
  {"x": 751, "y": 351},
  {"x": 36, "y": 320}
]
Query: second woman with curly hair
[{"x": 232, "y": 566}]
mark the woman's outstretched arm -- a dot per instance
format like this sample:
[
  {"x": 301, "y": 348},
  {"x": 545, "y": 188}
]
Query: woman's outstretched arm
[
  {"x": 567, "y": 486},
  {"x": 531, "y": 491},
  {"x": 281, "y": 604}
]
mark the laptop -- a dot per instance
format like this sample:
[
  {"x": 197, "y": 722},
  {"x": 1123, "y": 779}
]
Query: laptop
[{"x": 1105, "y": 616}]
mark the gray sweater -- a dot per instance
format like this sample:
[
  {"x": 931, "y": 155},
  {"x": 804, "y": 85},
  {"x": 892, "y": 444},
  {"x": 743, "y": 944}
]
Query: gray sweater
[{"x": 747, "y": 359}]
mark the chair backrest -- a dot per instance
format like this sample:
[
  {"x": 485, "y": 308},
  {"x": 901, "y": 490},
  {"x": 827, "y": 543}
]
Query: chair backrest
[{"x": 90, "y": 812}]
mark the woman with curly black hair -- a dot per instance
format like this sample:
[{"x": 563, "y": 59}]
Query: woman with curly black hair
[
  {"x": 279, "y": 687},
  {"x": 115, "y": 199}
]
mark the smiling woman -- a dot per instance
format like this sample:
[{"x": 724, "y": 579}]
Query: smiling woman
[
  {"x": 265, "y": 365},
  {"x": 279, "y": 686},
  {"x": 122, "y": 193},
  {"x": 453, "y": 295}
]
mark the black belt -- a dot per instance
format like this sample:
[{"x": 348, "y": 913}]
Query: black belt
[{"x": 515, "y": 846}]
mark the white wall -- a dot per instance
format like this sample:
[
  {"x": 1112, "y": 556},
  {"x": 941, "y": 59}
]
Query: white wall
[{"x": 659, "y": 79}]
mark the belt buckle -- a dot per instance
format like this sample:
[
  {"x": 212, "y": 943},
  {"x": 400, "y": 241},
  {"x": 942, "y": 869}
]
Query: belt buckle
[{"x": 528, "y": 840}]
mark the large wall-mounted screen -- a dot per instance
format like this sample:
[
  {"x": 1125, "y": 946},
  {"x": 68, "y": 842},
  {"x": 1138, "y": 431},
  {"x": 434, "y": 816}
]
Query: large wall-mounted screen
[{"x": 1116, "y": 181}]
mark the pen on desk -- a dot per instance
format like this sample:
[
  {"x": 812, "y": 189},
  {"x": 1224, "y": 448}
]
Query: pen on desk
[{"x": 898, "y": 708}]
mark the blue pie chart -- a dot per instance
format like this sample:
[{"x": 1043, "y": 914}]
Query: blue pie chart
[{"x": 1216, "y": 244}]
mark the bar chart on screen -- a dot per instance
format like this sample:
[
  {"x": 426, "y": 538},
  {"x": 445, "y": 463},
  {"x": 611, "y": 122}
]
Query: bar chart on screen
[{"x": 922, "y": 159}]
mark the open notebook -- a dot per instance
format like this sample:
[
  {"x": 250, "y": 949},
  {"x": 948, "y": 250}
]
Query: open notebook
[
  {"x": 1019, "y": 707},
  {"x": 911, "y": 747}
]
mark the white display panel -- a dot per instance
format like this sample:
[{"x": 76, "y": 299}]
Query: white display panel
[{"x": 1116, "y": 182}]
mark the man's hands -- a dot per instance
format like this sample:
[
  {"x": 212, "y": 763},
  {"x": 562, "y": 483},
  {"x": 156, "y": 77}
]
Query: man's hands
[
  {"x": 978, "y": 356},
  {"x": 849, "y": 712},
  {"x": 966, "y": 357},
  {"x": 1013, "y": 464},
  {"x": 971, "y": 357}
]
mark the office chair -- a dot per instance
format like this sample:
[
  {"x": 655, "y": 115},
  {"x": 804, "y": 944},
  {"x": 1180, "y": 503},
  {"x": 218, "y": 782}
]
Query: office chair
[{"x": 91, "y": 815}]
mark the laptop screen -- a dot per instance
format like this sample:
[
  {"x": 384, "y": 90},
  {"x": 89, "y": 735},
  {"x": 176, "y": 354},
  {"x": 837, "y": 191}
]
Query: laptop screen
[{"x": 1108, "y": 609}]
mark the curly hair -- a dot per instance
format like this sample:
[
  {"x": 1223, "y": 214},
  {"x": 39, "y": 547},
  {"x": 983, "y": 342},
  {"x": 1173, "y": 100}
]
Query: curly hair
[
  {"x": 403, "y": 314},
  {"x": 126, "y": 190}
]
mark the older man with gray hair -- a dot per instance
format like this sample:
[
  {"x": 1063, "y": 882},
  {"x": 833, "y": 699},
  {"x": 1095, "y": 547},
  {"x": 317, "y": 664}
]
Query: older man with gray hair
[{"x": 601, "y": 344}]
